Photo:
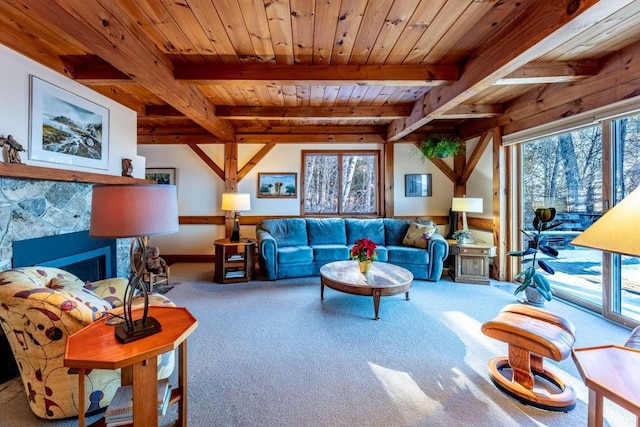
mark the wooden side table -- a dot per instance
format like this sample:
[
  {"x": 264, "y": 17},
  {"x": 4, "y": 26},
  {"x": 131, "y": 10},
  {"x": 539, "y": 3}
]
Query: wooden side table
[
  {"x": 96, "y": 347},
  {"x": 235, "y": 261},
  {"x": 610, "y": 371},
  {"x": 470, "y": 263}
]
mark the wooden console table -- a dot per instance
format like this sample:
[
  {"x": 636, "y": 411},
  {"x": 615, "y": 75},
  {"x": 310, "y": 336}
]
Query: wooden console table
[
  {"x": 235, "y": 261},
  {"x": 470, "y": 263},
  {"x": 96, "y": 347}
]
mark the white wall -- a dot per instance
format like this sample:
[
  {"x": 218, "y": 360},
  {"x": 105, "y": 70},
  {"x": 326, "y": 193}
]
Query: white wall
[
  {"x": 14, "y": 113},
  {"x": 480, "y": 184}
]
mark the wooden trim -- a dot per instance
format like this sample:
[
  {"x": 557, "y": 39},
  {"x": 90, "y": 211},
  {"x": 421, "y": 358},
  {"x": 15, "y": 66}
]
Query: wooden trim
[
  {"x": 172, "y": 259},
  {"x": 254, "y": 220},
  {"x": 15, "y": 170}
]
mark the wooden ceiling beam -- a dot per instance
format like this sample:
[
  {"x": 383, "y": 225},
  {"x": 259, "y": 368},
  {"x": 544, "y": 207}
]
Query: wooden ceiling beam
[
  {"x": 551, "y": 72},
  {"x": 118, "y": 39},
  {"x": 298, "y": 113},
  {"x": 310, "y": 138},
  {"x": 537, "y": 29},
  {"x": 323, "y": 74},
  {"x": 207, "y": 160},
  {"x": 473, "y": 111}
]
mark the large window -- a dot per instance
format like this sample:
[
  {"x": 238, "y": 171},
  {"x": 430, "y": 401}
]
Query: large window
[
  {"x": 340, "y": 182},
  {"x": 574, "y": 172}
]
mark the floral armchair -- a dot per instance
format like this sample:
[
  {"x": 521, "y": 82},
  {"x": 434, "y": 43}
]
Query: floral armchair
[{"x": 39, "y": 308}]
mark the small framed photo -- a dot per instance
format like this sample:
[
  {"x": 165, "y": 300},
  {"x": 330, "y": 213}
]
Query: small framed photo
[
  {"x": 417, "y": 185},
  {"x": 161, "y": 175},
  {"x": 67, "y": 129},
  {"x": 278, "y": 185}
]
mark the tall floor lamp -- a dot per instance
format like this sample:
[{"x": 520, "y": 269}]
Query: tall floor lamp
[
  {"x": 236, "y": 202},
  {"x": 135, "y": 211}
]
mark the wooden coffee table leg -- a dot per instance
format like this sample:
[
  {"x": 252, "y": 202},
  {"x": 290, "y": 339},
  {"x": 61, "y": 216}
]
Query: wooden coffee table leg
[
  {"x": 376, "y": 302},
  {"x": 321, "y": 290}
]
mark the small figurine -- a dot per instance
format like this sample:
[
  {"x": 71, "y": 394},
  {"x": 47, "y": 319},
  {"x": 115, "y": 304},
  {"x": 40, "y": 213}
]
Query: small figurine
[
  {"x": 155, "y": 264},
  {"x": 13, "y": 148},
  {"x": 127, "y": 167}
]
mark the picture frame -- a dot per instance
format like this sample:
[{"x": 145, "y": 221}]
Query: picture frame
[
  {"x": 282, "y": 185},
  {"x": 161, "y": 175},
  {"x": 66, "y": 128},
  {"x": 417, "y": 185}
]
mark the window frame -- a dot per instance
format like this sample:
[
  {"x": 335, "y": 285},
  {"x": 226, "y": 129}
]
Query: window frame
[{"x": 340, "y": 154}]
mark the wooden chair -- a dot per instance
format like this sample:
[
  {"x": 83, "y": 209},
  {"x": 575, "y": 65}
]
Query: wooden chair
[
  {"x": 151, "y": 279},
  {"x": 532, "y": 335}
]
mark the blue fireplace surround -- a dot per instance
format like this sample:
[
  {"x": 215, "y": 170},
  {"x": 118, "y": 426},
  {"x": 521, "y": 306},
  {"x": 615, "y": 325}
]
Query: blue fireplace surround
[{"x": 87, "y": 258}]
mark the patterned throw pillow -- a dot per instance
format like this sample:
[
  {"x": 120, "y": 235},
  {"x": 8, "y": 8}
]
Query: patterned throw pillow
[{"x": 418, "y": 235}]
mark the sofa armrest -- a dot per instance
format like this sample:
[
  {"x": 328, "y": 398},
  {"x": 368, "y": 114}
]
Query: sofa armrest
[
  {"x": 438, "y": 252},
  {"x": 267, "y": 254},
  {"x": 110, "y": 290}
]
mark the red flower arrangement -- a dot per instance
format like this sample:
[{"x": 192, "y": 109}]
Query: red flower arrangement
[{"x": 364, "y": 250}]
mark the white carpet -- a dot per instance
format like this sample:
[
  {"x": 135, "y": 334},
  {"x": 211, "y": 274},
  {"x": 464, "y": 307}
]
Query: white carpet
[{"x": 274, "y": 354}]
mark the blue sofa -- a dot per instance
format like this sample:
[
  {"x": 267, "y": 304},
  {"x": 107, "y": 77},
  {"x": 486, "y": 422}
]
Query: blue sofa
[{"x": 296, "y": 247}]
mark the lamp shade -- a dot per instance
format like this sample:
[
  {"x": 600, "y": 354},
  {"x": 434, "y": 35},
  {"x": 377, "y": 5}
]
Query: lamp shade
[
  {"x": 613, "y": 232},
  {"x": 466, "y": 204},
  {"x": 236, "y": 202},
  {"x": 133, "y": 210}
]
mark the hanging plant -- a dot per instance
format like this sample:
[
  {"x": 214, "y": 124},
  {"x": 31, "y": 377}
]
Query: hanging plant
[{"x": 440, "y": 146}]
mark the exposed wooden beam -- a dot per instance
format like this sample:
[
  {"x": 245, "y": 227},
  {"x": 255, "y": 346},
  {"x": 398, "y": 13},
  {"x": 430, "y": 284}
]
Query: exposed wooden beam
[
  {"x": 92, "y": 70},
  {"x": 255, "y": 160},
  {"x": 297, "y": 113},
  {"x": 470, "y": 165},
  {"x": 208, "y": 160},
  {"x": 473, "y": 111},
  {"x": 305, "y": 74},
  {"x": 297, "y": 129},
  {"x": 537, "y": 29},
  {"x": 118, "y": 39},
  {"x": 162, "y": 111},
  {"x": 310, "y": 138},
  {"x": 176, "y": 139},
  {"x": 551, "y": 72}
]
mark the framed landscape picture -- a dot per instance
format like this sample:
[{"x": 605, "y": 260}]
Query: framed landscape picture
[
  {"x": 417, "y": 185},
  {"x": 161, "y": 175},
  {"x": 277, "y": 185},
  {"x": 65, "y": 128}
]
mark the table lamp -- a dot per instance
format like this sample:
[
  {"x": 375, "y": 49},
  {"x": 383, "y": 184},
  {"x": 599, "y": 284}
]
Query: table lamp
[
  {"x": 236, "y": 202},
  {"x": 464, "y": 205},
  {"x": 611, "y": 232},
  {"x": 135, "y": 211}
]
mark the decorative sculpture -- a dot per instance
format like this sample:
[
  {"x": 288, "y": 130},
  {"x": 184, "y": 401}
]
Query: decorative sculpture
[
  {"x": 127, "y": 167},
  {"x": 13, "y": 149}
]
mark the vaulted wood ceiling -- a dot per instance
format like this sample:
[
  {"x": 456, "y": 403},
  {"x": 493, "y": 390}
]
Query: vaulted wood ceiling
[{"x": 291, "y": 71}]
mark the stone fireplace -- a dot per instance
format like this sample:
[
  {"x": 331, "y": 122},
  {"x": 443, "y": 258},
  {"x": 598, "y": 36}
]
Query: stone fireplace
[{"x": 32, "y": 208}]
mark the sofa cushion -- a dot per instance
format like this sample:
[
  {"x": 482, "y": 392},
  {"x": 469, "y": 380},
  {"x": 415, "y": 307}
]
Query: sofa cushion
[
  {"x": 326, "y": 231},
  {"x": 372, "y": 229},
  {"x": 418, "y": 235},
  {"x": 330, "y": 252},
  {"x": 407, "y": 255},
  {"x": 294, "y": 254},
  {"x": 287, "y": 231},
  {"x": 394, "y": 231}
]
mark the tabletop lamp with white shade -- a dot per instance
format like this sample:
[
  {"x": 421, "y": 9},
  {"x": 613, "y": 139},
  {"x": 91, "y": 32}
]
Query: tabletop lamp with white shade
[
  {"x": 464, "y": 205},
  {"x": 134, "y": 211},
  {"x": 236, "y": 202}
]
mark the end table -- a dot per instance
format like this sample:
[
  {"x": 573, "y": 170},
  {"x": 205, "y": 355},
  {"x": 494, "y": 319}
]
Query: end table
[
  {"x": 469, "y": 263},
  {"x": 235, "y": 261}
]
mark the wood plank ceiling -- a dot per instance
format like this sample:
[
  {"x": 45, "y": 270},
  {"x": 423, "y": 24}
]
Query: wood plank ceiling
[{"x": 297, "y": 71}]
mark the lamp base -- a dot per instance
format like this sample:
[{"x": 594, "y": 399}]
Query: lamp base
[
  {"x": 235, "y": 233},
  {"x": 140, "y": 330}
]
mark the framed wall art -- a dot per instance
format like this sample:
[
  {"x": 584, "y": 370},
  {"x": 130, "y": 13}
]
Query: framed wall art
[
  {"x": 277, "y": 185},
  {"x": 417, "y": 185},
  {"x": 66, "y": 128},
  {"x": 161, "y": 175}
]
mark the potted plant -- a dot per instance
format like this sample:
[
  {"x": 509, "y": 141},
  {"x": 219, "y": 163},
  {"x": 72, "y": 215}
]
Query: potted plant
[
  {"x": 462, "y": 237},
  {"x": 532, "y": 281},
  {"x": 440, "y": 146},
  {"x": 364, "y": 250}
]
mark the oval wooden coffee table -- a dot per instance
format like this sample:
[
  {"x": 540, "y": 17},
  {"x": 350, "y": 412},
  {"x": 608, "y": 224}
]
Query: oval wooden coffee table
[{"x": 382, "y": 280}]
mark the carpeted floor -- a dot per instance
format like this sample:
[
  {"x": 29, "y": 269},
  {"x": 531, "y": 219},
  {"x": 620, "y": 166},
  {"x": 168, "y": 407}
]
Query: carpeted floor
[{"x": 274, "y": 354}]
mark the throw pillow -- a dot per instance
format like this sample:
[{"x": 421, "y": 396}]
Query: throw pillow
[{"x": 418, "y": 235}]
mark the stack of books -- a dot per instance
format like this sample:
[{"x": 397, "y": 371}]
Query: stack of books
[{"x": 120, "y": 410}]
